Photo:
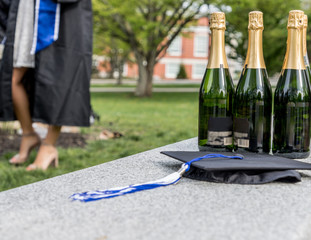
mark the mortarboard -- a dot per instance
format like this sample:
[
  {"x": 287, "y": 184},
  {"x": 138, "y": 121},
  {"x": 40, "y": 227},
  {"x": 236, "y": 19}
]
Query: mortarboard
[{"x": 252, "y": 169}]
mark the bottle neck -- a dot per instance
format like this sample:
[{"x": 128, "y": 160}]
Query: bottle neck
[
  {"x": 304, "y": 46},
  {"x": 254, "y": 56},
  {"x": 294, "y": 51},
  {"x": 217, "y": 55}
]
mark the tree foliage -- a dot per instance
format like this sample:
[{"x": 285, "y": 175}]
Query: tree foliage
[
  {"x": 275, "y": 15},
  {"x": 147, "y": 26},
  {"x": 182, "y": 74},
  {"x": 116, "y": 51}
]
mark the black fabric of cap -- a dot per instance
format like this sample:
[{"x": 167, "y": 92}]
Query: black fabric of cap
[{"x": 252, "y": 169}]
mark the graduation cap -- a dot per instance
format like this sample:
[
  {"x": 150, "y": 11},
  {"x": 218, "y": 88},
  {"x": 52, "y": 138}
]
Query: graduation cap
[
  {"x": 252, "y": 168},
  {"x": 249, "y": 168}
]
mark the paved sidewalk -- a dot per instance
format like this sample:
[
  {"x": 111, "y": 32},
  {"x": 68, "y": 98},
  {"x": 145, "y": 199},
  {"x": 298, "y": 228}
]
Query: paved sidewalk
[
  {"x": 130, "y": 89},
  {"x": 155, "y": 89},
  {"x": 133, "y": 81}
]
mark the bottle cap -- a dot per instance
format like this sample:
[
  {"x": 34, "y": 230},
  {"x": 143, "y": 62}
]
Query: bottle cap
[
  {"x": 255, "y": 20},
  {"x": 305, "y": 21},
  {"x": 218, "y": 20},
  {"x": 295, "y": 19}
]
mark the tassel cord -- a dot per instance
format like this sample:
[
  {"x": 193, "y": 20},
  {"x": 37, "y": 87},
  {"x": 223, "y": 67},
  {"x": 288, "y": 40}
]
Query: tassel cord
[
  {"x": 211, "y": 155},
  {"x": 168, "y": 180}
]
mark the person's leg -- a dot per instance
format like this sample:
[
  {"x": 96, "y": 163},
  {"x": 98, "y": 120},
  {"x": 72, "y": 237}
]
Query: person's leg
[
  {"x": 47, "y": 153},
  {"x": 53, "y": 134},
  {"x": 20, "y": 100},
  {"x": 21, "y": 108}
]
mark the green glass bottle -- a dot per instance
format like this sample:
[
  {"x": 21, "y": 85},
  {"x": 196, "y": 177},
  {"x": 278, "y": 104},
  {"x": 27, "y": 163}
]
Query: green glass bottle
[
  {"x": 216, "y": 93},
  {"x": 291, "y": 136},
  {"x": 305, "y": 52},
  {"x": 253, "y": 99}
]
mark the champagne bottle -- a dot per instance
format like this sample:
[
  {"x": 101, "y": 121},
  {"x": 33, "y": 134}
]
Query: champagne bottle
[
  {"x": 216, "y": 93},
  {"x": 253, "y": 99},
  {"x": 305, "y": 52},
  {"x": 291, "y": 136}
]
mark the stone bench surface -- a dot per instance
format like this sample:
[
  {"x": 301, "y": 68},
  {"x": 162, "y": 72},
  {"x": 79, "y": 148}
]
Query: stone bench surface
[{"x": 188, "y": 210}]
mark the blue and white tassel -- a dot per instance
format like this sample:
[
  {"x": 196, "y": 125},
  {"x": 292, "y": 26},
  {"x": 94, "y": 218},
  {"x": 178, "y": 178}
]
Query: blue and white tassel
[{"x": 168, "y": 180}]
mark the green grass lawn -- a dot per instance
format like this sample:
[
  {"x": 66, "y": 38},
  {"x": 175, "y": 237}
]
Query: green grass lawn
[{"x": 145, "y": 123}]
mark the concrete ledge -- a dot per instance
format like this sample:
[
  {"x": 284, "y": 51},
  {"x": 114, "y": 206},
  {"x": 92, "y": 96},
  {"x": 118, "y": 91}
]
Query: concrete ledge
[{"x": 189, "y": 210}]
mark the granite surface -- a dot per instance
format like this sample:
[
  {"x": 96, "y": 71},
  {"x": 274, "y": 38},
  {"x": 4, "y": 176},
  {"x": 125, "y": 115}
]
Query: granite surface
[{"x": 188, "y": 210}]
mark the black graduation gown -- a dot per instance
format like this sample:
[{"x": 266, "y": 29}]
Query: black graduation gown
[
  {"x": 4, "y": 10},
  {"x": 58, "y": 87}
]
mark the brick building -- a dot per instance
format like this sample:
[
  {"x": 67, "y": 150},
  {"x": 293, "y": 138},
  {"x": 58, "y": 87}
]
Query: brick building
[{"x": 191, "y": 49}]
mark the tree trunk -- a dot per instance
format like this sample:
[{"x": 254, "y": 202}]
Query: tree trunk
[
  {"x": 120, "y": 71},
  {"x": 142, "y": 80},
  {"x": 119, "y": 80},
  {"x": 145, "y": 71},
  {"x": 112, "y": 67},
  {"x": 150, "y": 69}
]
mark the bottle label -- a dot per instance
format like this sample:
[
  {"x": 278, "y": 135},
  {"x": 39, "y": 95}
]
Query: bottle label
[
  {"x": 241, "y": 129},
  {"x": 297, "y": 125},
  {"x": 219, "y": 131}
]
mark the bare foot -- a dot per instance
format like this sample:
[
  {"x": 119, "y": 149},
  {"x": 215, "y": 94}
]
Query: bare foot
[
  {"x": 29, "y": 142},
  {"x": 47, "y": 155}
]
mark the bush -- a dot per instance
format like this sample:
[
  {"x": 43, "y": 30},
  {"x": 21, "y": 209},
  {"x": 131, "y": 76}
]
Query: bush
[{"x": 182, "y": 72}]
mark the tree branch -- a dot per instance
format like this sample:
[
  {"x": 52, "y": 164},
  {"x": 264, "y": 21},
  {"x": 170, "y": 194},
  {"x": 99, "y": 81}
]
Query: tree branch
[{"x": 175, "y": 33}]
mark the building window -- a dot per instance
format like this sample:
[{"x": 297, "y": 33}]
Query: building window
[
  {"x": 171, "y": 70},
  {"x": 125, "y": 70},
  {"x": 201, "y": 46},
  {"x": 175, "y": 47},
  {"x": 198, "y": 71}
]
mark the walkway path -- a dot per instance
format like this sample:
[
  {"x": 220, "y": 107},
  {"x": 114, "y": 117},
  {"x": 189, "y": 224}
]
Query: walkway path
[
  {"x": 130, "y": 89},
  {"x": 155, "y": 89},
  {"x": 133, "y": 81}
]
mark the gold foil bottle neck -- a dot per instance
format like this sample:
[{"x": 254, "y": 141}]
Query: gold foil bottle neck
[
  {"x": 304, "y": 40},
  {"x": 295, "y": 19},
  {"x": 217, "y": 57},
  {"x": 294, "y": 50},
  {"x": 305, "y": 21},
  {"x": 255, "y": 20},
  {"x": 218, "y": 21},
  {"x": 254, "y": 57}
]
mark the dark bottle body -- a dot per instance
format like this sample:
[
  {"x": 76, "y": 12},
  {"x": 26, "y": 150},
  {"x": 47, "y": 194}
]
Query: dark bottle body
[
  {"x": 215, "y": 110},
  {"x": 253, "y": 111},
  {"x": 305, "y": 52},
  {"x": 291, "y": 137},
  {"x": 291, "y": 115},
  {"x": 307, "y": 70},
  {"x": 308, "y": 73}
]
